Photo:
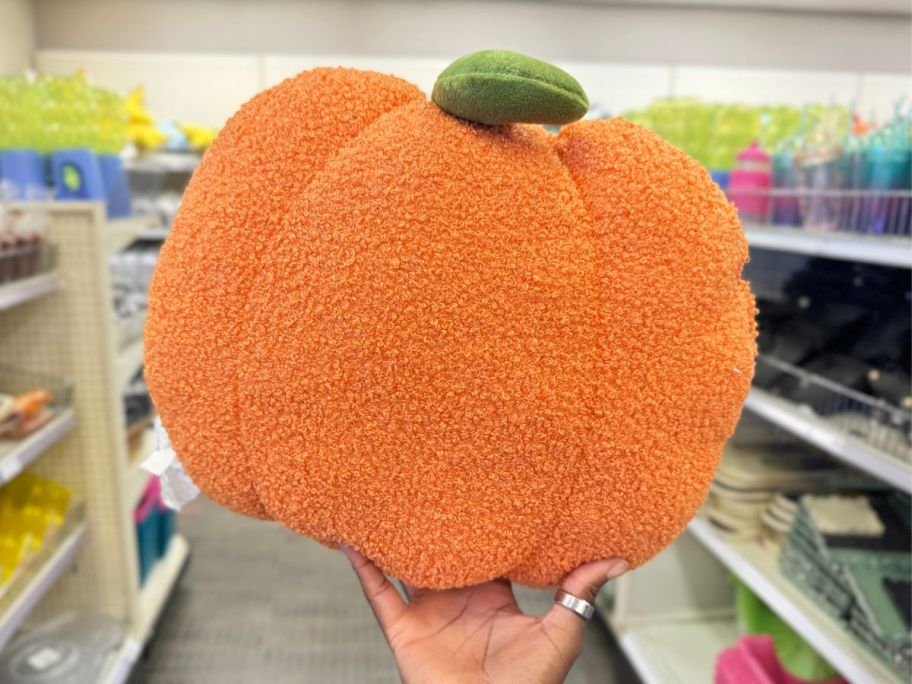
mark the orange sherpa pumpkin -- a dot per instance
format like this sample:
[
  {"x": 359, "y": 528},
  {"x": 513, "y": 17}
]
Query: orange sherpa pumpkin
[{"x": 468, "y": 351}]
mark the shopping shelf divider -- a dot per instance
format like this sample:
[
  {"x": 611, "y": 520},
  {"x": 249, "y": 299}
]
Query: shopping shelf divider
[{"x": 811, "y": 428}]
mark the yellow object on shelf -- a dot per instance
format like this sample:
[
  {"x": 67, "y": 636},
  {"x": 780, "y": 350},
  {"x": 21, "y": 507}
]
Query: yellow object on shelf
[
  {"x": 199, "y": 137},
  {"x": 30, "y": 507},
  {"x": 141, "y": 124}
]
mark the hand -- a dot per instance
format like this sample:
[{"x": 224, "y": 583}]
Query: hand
[{"x": 479, "y": 634}]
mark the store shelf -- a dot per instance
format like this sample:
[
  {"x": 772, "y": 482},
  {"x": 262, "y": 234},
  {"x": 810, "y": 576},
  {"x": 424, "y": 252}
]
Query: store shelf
[
  {"x": 871, "y": 249},
  {"x": 811, "y": 428},
  {"x": 158, "y": 234},
  {"x": 119, "y": 666},
  {"x": 758, "y": 569},
  {"x": 129, "y": 359},
  {"x": 163, "y": 162},
  {"x": 19, "y": 291},
  {"x": 120, "y": 233},
  {"x": 152, "y": 599},
  {"x": 159, "y": 584},
  {"x": 678, "y": 652},
  {"x": 39, "y": 582},
  {"x": 15, "y": 456}
]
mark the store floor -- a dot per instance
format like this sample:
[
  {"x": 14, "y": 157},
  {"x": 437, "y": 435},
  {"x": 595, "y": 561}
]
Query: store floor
[{"x": 261, "y": 605}]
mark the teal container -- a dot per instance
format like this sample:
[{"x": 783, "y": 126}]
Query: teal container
[
  {"x": 166, "y": 525},
  {"x": 148, "y": 533}
]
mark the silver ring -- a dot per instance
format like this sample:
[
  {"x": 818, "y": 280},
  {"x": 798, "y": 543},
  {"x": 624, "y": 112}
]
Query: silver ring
[{"x": 575, "y": 604}]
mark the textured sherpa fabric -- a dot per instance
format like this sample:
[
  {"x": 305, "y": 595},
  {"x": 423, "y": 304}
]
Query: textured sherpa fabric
[
  {"x": 500, "y": 87},
  {"x": 469, "y": 352}
]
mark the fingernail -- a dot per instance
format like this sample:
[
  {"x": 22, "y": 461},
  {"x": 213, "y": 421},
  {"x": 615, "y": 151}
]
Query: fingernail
[
  {"x": 616, "y": 568},
  {"x": 346, "y": 549}
]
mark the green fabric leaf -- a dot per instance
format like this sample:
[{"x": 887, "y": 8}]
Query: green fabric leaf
[{"x": 498, "y": 87}]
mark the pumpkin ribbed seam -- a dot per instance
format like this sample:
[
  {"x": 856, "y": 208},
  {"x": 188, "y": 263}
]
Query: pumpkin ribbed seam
[{"x": 236, "y": 401}]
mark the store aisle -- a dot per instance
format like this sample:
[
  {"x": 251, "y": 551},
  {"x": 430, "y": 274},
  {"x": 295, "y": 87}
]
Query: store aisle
[{"x": 259, "y": 604}]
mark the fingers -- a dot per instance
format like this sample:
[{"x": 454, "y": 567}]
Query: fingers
[
  {"x": 587, "y": 579},
  {"x": 382, "y": 596},
  {"x": 584, "y": 583}
]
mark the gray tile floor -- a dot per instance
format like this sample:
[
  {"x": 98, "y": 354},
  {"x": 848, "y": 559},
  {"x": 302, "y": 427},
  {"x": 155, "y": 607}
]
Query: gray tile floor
[{"x": 259, "y": 604}]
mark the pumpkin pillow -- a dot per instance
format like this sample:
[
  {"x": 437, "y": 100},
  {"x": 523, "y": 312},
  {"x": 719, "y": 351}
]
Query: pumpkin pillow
[{"x": 434, "y": 331}]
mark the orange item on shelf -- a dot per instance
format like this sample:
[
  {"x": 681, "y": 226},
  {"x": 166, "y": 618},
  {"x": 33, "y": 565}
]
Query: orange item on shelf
[
  {"x": 28, "y": 414},
  {"x": 467, "y": 351},
  {"x": 26, "y": 424},
  {"x": 31, "y": 402}
]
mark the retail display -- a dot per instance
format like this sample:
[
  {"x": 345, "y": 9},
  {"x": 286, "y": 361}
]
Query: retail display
[
  {"x": 749, "y": 182},
  {"x": 859, "y": 567},
  {"x": 838, "y": 340},
  {"x": 753, "y": 494},
  {"x": 73, "y": 128},
  {"x": 815, "y": 168},
  {"x": 24, "y": 413},
  {"x": 28, "y": 401},
  {"x": 714, "y": 133},
  {"x": 148, "y": 134},
  {"x": 753, "y": 660},
  {"x": 830, "y": 180},
  {"x": 788, "y": 658},
  {"x": 31, "y": 508},
  {"x": 86, "y": 447},
  {"x": 496, "y": 315},
  {"x": 24, "y": 252},
  {"x": 154, "y": 528}
]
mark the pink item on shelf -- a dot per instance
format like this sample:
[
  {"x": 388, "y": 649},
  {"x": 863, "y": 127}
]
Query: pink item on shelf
[
  {"x": 749, "y": 183},
  {"x": 753, "y": 660},
  {"x": 149, "y": 501}
]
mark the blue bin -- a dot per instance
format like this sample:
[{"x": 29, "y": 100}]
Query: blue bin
[
  {"x": 77, "y": 175},
  {"x": 166, "y": 524},
  {"x": 23, "y": 171},
  {"x": 147, "y": 540},
  {"x": 116, "y": 185},
  {"x": 720, "y": 177}
]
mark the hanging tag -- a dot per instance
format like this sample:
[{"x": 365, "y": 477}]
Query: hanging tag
[{"x": 176, "y": 486}]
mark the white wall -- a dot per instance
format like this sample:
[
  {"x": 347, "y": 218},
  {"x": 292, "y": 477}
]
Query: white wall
[
  {"x": 208, "y": 88},
  {"x": 200, "y": 59},
  {"x": 575, "y": 31},
  {"x": 17, "y": 37}
]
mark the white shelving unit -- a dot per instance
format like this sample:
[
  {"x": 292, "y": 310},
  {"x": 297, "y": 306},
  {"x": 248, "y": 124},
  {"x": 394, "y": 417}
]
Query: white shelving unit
[
  {"x": 884, "y": 250},
  {"x": 678, "y": 653},
  {"x": 157, "y": 234},
  {"x": 157, "y": 588},
  {"x": 21, "y": 291},
  {"x": 72, "y": 335},
  {"x": 814, "y": 430},
  {"x": 674, "y": 615},
  {"x": 757, "y": 568},
  {"x": 153, "y": 598},
  {"x": 163, "y": 162},
  {"x": 16, "y": 456},
  {"x": 40, "y": 583}
]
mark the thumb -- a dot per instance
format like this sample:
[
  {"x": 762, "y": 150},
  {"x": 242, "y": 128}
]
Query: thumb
[{"x": 584, "y": 583}]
